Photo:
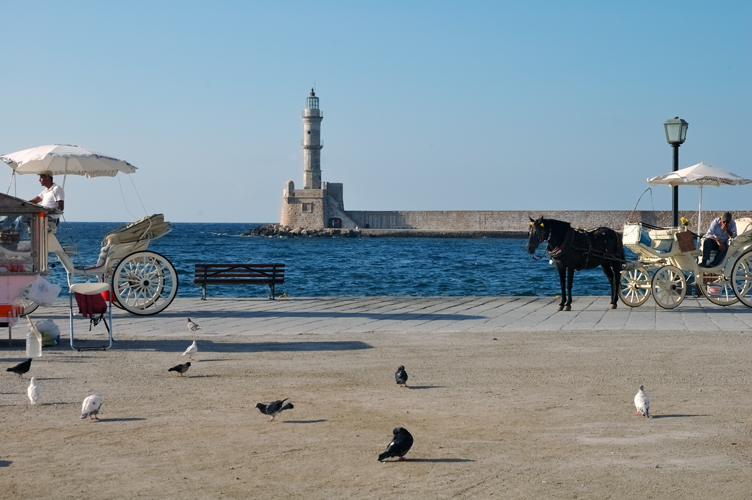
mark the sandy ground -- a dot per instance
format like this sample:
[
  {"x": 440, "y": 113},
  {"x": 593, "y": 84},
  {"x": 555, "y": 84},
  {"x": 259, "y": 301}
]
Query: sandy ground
[{"x": 504, "y": 415}]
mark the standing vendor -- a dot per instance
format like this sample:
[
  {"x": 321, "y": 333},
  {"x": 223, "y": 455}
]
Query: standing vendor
[{"x": 53, "y": 196}]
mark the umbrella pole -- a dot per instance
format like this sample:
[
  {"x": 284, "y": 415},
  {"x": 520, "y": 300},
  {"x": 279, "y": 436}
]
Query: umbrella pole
[{"x": 699, "y": 213}]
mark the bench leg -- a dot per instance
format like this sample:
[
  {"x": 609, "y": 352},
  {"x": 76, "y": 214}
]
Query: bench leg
[
  {"x": 203, "y": 292},
  {"x": 271, "y": 287}
]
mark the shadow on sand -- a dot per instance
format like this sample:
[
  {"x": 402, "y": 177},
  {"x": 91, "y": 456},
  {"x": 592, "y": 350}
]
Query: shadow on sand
[
  {"x": 304, "y": 421},
  {"x": 677, "y": 416},
  {"x": 391, "y": 316},
  {"x": 120, "y": 419},
  {"x": 417, "y": 387},
  {"x": 5, "y": 463},
  {"x": 435, "y": 460},
  {"x": 165, "y": 345}
]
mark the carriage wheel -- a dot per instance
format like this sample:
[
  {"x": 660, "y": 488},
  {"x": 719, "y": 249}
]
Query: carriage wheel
[
  {"x": 634, "y": 287},
  {"x": 741, "y": 279},
  {"x": 669, "y": 287},
  {"x": 717, "y": 288},
  {"x": 145, "y": 283}
]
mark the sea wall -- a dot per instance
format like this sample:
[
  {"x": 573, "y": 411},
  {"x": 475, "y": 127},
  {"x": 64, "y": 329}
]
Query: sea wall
[{"x": 518, "y": 220}]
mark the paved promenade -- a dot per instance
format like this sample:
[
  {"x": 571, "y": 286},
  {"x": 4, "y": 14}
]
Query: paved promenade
[{"x": 353, "y": 315}]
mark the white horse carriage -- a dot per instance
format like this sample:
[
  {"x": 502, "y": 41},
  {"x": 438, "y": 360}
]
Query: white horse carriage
[
  {"x": 668, "y": 263},
  {"x": 144, "y": 282}
]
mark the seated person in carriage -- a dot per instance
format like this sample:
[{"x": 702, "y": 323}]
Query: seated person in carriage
[
  {"x": 717, "y": 238},
  {"x": 53, "y": 196}
]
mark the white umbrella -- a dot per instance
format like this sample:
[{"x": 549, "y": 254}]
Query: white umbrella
[
  {"x": 701, "y": 175},
  {"x": 66, "y": 159}
]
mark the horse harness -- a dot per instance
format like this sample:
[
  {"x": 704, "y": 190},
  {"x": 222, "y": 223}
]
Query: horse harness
[{"x": 568, "y": 245}]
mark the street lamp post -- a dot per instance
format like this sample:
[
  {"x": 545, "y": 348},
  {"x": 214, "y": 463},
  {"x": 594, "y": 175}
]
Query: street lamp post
[{"x": 676, "y": 133}]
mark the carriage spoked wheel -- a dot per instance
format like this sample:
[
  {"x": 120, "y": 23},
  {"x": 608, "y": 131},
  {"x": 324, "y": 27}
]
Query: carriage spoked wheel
[
  {"x": 634, "y": 287},
  {"x": 669, "y": 287},
  {"x": 717, "y": 288},
  {"x": 741, "y": 278},
  {"x": 145, "y": 283}
]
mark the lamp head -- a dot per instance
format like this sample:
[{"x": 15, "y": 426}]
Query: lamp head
[{"x": 676, "y": 130}]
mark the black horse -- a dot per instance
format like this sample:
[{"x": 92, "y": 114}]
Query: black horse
[{"x": 574, "y": 249}]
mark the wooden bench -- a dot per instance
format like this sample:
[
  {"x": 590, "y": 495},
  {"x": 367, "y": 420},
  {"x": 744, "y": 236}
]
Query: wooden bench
[{"x": 239, "y": 274}]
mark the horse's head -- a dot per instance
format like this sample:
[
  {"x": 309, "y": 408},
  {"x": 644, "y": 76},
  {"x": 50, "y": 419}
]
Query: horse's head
[{"x": 537, "y": 234}]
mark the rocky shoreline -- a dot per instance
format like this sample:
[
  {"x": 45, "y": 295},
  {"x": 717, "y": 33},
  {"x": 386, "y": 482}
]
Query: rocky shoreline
[{"x": 280, "y": 231}]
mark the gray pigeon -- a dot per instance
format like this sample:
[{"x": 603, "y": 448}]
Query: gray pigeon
[
  {"x": 180, "y": 369},
  {"x": 192, "y": 327},
  {"x": 401, "y": 376},
  {"x": 399, "y": 446},
  {"x": 274, "y": 408},
  {"x": 20, "y": 368}
]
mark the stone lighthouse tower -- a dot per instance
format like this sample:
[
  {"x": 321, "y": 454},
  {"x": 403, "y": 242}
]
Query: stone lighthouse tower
[
  {"x": 312, "y": 117},
  {"x": 319, "y": 204}
]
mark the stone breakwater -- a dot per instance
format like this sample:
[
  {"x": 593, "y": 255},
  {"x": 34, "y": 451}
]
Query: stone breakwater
[
  {"x": 280, "y": 231},
  {"x": 480, "y": 224}
]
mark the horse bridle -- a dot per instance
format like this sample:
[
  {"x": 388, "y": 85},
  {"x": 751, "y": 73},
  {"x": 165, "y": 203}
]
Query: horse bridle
[{"x": 543, "y": 235}]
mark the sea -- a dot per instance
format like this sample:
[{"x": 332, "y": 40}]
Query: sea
[{"x": 324, "y": 267}]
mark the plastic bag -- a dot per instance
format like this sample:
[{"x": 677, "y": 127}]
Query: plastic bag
[
  {"x": 43, "y": 292},
  {"x": 50, "y": 332}
]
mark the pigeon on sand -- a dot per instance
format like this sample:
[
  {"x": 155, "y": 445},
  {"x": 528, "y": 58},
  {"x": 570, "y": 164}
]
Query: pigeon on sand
[
  {"x": 193, "y": 327},
  {"x": 274, "y": 408},
  {"x": 399, "y": 446},
  {"x": 91, "y": 407},
  {"x": 20, "y": 368},
  {"x": 642, "y": 403},
  {"x": 401, "y": 376},
  {"x": 34, "y": 391},
  {"x": 180, "y": 369},
  {"x": 192, "y": 349}
]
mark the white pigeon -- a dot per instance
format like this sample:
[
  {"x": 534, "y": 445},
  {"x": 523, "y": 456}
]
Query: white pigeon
[
  {"x": 34, "y": 391},
  {"x": 192, "y": 349},
  {"x": 642, "y": 402},
  {"x": 192, "y": 327},
  {"x": 91, "y": 406}
]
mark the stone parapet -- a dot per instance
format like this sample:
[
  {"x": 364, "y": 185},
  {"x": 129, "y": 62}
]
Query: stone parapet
[{"x": 518, "y": 220}]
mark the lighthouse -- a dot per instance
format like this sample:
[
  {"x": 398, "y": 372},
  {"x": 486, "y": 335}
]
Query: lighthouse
[
  {"x": 312, "y": 117},
  {"x": 319, "y": 204}
]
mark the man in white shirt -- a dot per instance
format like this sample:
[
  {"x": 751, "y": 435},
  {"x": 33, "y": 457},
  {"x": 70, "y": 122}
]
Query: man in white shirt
[{"x": 53, "y": 196}]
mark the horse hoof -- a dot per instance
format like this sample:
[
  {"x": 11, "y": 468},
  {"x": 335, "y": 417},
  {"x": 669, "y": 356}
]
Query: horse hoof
[
  {"x": 561, "y": 308},
  {"x": 567, "y": 308},
  {"x": 613, "y": 306}
]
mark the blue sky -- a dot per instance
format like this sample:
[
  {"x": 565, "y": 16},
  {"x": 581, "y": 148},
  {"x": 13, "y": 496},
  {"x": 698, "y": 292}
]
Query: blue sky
[{"x": 427, "y": 105}]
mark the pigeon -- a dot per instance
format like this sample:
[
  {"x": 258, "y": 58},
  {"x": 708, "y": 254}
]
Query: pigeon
[
  {"x": 193, "y": 327},
  {"x": 34, "y": 391},
  {"x": 181, "y": 369},
  {"x": 401, "y": 376},
  {"x": 274, "y": 408},
  {"x": 192, "y": 349},
  {"x": 642, "y": 402},
  {"x": 91, "y": 407},
  {"x": 399, "y": 446},
  {"x": 20, "y": 368}
]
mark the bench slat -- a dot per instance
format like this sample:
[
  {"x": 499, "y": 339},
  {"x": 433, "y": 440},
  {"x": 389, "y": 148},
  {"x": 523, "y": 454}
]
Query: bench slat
[
  {"x": 212, "y": 281},
  {"x": 226, "y": 266}
]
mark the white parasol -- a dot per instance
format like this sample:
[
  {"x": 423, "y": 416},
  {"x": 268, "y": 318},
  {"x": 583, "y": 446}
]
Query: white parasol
[
  {"x": 66, "y": 159},
  {"x": 701, "y": 175}
]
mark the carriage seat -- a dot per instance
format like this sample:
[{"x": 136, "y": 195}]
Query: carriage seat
[
  {"x": 104, "y": 253},
  {"x": 662, "y": 245}
]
